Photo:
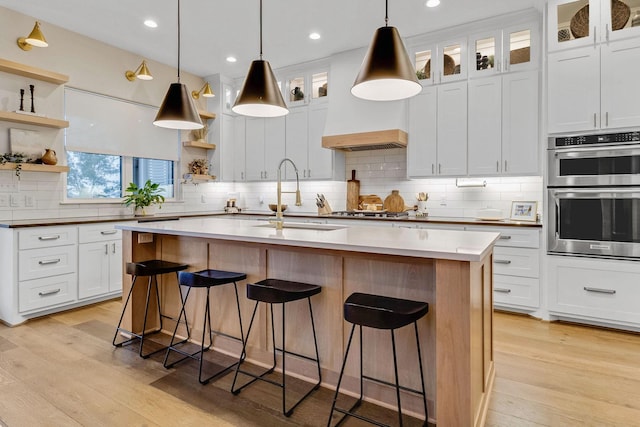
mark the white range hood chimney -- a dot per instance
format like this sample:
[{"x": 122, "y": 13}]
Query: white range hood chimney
[{"x": 355, "y": 124}]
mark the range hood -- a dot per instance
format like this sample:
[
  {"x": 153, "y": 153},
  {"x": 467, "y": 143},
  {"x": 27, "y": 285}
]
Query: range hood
[{"x": 354, "y": 124}]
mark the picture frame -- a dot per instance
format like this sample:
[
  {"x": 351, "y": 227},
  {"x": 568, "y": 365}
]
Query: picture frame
[{"x": 524, "y": 210}]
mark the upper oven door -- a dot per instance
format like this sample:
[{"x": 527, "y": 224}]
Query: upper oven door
[
  {"x": 593, "y": 221},
  {"x": 616, "y": 165}
]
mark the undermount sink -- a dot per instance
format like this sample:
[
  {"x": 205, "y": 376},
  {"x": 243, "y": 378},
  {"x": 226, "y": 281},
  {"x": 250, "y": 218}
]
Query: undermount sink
[{"x": 305, "y": 226}]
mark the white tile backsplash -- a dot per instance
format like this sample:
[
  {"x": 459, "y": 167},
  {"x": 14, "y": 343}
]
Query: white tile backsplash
[{"x": 379, "y": 172}]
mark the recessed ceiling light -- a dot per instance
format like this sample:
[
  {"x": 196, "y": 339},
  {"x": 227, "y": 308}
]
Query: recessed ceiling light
[
  {"x": 314, "y": 36},
  {"x": 151, "y": 23},
  {"x": 432, "y": 3},
  {"x": 231, "y": 59}
]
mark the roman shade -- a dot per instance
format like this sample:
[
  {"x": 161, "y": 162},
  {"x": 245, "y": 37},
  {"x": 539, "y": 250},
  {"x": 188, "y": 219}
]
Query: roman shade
[{"x": 105, "y": 125}]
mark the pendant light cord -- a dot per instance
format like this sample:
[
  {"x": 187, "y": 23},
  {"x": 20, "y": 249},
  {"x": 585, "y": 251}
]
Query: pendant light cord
[
  {"x": 178, "y": 41},
  {"x": 261, "y": 30},
  {"x": 386, "y": 13}
]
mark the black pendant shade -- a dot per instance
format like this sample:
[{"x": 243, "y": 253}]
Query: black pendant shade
[
  {"x": 260, "y": 95},
  {"x": 177, "y": 110},
  {"x": 386, "y": 73}
]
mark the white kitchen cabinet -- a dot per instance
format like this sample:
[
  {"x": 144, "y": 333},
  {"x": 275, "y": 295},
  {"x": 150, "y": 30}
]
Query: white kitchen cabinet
[
  {"x": 596, "y": 291},
  {"x": 297, "y": 142},
  {"x": 226, "y": 148},
  {"x": 100, "y": 260},
  {"x": 422, "y": 146},
  {"x": 239, "y": 149},
  {"x": 452, "y": 60},
  {"x": 593, "y": 22},
  {"x": 265, "y": 147},
  {"x": 452, "y": 129},
  {"x": 594, "y": 87},
  {"x": 485, "y": 126}
]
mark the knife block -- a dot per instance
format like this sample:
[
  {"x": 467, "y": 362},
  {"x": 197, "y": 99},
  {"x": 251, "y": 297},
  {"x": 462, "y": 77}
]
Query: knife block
[{"x": 325, "y": 210}]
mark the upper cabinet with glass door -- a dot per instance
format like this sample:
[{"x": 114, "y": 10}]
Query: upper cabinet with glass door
[
  {"x": 511, "y": 49},
  {"x": 440, "y": 63},
  {"x": 307, "y": 87},
  {"x": 575, "y": 23}
]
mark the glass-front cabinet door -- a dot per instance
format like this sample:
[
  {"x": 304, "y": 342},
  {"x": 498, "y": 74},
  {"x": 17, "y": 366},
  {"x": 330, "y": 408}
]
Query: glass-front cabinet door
[
  {"x": 521, "y": 47},
  {"x": 452, "y": 61},
  {"x": 319, "y": 86},
  {"x": 425, "y": 64},
  {"x": 485, "y": 54},
  {"x": 621, "y": 19},
  {"x": 573, "y": 23},
  {"x": 295, "y": 90}
]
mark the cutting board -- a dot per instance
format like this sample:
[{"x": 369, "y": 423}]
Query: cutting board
[
  {"x": 394, "y": 202},
  {"x": 353, "y": 192},
  {"x": 370, "y": 199}
]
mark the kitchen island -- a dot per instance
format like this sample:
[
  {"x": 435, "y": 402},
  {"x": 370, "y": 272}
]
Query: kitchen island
[{"x": 451, "y": 270}]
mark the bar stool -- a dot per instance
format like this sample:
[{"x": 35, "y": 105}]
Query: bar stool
[
  {"x": 381, "y": 312},
  {"x": 205, "y": 279},
  {"x": 274, "y": 291},
  {"x": 150, "y": 269}
]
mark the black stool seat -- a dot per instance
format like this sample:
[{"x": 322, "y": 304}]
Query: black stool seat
[
  {"x": 153, "y": 267},
  {"x": 208, "y": 278},
  {"x": 276, "y": 291},
  {"x": 205, "y": 279},
  {"x": 375, "y": 311}
]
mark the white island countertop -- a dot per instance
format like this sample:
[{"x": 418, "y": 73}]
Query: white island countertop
[{"x": 421, "y": 243}]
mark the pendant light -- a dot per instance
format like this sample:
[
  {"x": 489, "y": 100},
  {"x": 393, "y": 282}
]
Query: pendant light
[
  {"x": 386, "y": 73},
  {"x": 260, "y": 95},
  {"x": 177, "y": 110}
]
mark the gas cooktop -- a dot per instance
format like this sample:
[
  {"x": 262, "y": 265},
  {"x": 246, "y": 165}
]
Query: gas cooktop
[{"x": 375, "y": 214}]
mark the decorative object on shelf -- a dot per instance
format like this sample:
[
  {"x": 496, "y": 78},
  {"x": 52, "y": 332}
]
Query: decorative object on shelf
[
  {"x": 448, "y": 68},
  {"x": 49, "y": 157},
  {"x": 620, "y": 13},
  {"x": 386, "y": 73},
  {"x": 482, "y": 61},
  {"x": 33, "y": 109},
  {"x": 17, "y": 158},
  {"x": 36, "y": 38},
  {"x": 206, "y": 91},
  {"x": 142, "y": 73},
  {"x": 29, "y": 142},
  {"x": 260, "y": 95},
  {"x": 199, "y": 167},
  {"x": 564, "y": 34},
  {"x": 200, "y": 135},
  {"x": 21, "y": 100},
  {"x": 394, "y": 202},
  {"x": 177, "y": 110},
  {"x": 519, "y": 56},
  {"x": 524, "y": 211},
  {"x": 322, "y": 90},
  {"x": 297, "y": 94},
  {"x": 143, "y": 197}
]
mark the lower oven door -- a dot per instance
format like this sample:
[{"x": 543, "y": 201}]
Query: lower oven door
[{"x": 603, "y": 222}]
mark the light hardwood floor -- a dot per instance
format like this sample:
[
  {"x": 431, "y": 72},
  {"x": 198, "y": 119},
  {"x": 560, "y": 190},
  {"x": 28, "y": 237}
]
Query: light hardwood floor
[{"x": 61, "y": 370}]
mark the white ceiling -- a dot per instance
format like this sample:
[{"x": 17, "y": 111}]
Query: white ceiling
[{"x": 212, "y": 30}]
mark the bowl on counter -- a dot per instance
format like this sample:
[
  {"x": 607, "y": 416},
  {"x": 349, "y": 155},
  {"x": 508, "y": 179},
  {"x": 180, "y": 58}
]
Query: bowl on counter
[{"x": 274, "y": 207}]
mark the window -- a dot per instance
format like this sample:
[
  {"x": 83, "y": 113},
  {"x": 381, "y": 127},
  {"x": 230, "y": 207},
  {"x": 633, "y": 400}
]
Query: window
[
  {"x": 103, "y": 176},
  {"x": 94, "y": 176}
]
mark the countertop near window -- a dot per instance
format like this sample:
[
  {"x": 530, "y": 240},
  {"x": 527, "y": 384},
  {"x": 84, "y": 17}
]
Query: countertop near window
[{"x": 175, "y": 216}]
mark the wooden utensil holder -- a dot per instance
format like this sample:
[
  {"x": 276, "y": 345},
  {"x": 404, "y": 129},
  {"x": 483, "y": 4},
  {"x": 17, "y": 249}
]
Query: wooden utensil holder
[{"x": 325, "y": 210}]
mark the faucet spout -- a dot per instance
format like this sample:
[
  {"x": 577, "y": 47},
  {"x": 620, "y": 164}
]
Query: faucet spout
[{"x": 279, "y": 221}]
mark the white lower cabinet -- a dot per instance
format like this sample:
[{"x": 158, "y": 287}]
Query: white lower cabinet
[
  {"x": 100, "y": 260},
  {"x": 49, "y": 269},
  {"x": 595, "y": 290}
]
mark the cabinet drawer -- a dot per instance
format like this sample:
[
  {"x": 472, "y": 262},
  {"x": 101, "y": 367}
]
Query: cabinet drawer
[
  {"x": 516, "y": 261},
  {"x": 604, "y": 294},
  {"x": 513, "y": 236},
  {"x": 516, "y": 291},
  {"x": 46, "y": 292},
  {"x": 46, "y": 237},
  {"x": 98, "y": 233},
  {"x": 36, "y": 263}
]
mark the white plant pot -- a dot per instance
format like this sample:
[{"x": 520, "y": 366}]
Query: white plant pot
[{"x": 145, "y": 211}]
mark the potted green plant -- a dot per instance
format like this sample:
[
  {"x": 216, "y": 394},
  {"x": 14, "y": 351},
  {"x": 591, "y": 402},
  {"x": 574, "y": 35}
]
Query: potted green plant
[{"x": 143, "y": 197}]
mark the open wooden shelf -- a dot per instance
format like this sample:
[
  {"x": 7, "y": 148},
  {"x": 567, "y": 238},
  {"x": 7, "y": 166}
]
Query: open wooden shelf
[
  {"x": 32, "y": 72},
  {"x": 206, "y": 114},
  {"x": 35, "y": 167},
  {"x": 27, "y": 119},
  {"x": 199, "y": 144}
]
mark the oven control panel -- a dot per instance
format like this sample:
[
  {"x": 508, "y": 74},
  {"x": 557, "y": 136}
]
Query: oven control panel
[{"x": 610, "y": 138}]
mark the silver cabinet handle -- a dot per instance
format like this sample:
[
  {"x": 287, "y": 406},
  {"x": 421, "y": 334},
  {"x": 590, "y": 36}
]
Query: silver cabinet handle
[
  {"x": 600, "y": 290},
  {"x": 51, "y": 261},
  {"x": 502, "y": 290},
  {"x": 242, "y": 176},
  {"x": 114, "y": 248},
  {"x": 304, "y": 173},
  {"x": 106, "y": 249},
  {"x": 44, "y": 238},
  {"x": 53, "y": 292},
  {"x": 107, "y": 233},
  {"x": 606, "y": 119},
  {"x": 594, "y": 120},
  {"x": 265, "y": 175},
  {"x": 505, "y": 165},
  {"x": 504, "y": 237},
  {"x": 309, "y": 173},
  {"x": 594, "y": 35},
  {"x": 497, "y": 165},
  {"x": 606, "y": 31},
  {"x": 501, "y": 261},
  {"x": 439, "y": 168},
  {"x": 433, "y": 169}
]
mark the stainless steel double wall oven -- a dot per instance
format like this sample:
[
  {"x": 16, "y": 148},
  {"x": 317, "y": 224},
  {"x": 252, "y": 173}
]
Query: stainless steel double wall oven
[{"x": 593, "y": 194}]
